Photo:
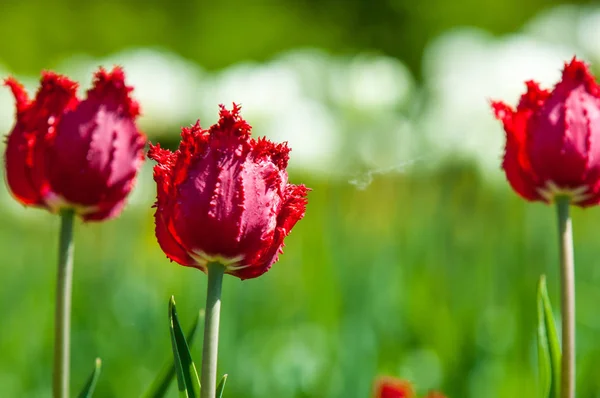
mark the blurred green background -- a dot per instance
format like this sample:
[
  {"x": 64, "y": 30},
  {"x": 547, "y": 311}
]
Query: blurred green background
[{"x": 415, "y": 259}]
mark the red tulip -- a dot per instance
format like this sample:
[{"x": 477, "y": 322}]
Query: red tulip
[
  {"x": 67, "y": 153},
  {"x": 391, "y": 387},
  {"x": 553, "y": 139},
  {"x": 224, "y": 196}
]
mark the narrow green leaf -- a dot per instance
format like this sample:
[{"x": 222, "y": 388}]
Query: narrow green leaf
[
  {"x": 90, "y": 384},
  {"x": 221, "y": 386},
  {"x": 548, "y": 345},
  {"x": 162, "y": 382},
  {"x": 187, "y": 376},
  {"x": 544, "y": 367}
]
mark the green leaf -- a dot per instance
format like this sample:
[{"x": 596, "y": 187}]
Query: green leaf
[
  {"x": 187, "y": 376},
  {"x": 221, "y": 386},
  {"x": 162, "y": 382},
  {"x": 548, "y": 345},
  {"x": 90, "y": 384}
]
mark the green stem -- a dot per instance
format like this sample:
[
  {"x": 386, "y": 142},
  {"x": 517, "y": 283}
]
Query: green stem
[
  {"x": 567, "y": 277},
  {"x": 211, "y": 330},
  {"x": 62, "y": 317}
]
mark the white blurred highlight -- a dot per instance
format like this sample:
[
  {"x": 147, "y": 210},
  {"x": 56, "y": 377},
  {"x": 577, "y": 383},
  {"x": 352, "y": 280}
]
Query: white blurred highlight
[
  {"x": 166, "y": 85},
  {"x": 467, "y": 68}
]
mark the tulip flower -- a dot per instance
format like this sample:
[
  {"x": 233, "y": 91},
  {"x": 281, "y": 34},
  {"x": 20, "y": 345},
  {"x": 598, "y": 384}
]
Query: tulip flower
[
  {"x": 73, "y": 157},
  {"x": 64, "y": 153},
  {"x": 224, "y": 205},
  {"x": 552, "y": 155},
  {"x": 552, "y": 147}
]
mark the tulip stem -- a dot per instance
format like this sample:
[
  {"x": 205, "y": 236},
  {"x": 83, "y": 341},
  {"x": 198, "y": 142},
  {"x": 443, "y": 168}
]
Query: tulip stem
[
  {"x": 211, "y": 330},
  {"x": 567, "y": 276},
  {"x": 62, "y": 320}
]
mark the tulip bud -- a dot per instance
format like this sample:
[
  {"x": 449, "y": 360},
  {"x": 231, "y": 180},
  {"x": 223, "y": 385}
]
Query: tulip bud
[
  {"x": 66, "y": 153},
  {"x": 553, "y": 139},
  {"x": 224, "y": 197}
]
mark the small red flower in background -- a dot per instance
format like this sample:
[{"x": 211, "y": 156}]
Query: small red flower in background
[
  {"x": 224, "y": 196},
  {"x": 67, "y": 153},
  {"x": 391, "y": 387},
  {"x": 553, "y": 139}
]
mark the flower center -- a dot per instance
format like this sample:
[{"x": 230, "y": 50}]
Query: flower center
[
  {"x": 56, "y": 203},
  {"x": 550, "y": 191},
  {"x": 230, "y": 263}
]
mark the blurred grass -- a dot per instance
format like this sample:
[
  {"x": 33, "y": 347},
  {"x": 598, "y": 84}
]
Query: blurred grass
[
  {"x": 217, "y": 34},
  {"x": 428, "y": 275}
]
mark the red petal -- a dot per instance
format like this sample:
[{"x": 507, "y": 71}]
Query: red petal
[
  {"x": 111, "y": 86},
  {"x": 21, "y": 97},
  {"x": 162, "y": 171},
  {"x": 230, "y": 124},
  {"x": 577, "y": 72},
  {"x": 35, "y": 127},
  {"x": 169, "y": 244},
  {"x": 164, "y": 210},
  {"x": 276, "y": 153},
  {"x": 18, "y": 176},
  {"x": 515, "y": 162},
  {"x": 292, "y": 211},
  {"x": 560, "y": 132},
  {"x": 18, "y": 148},
  {"x": 98, "y": 148},
  {"x": 263, "y": 260},
  {"x": 204, "y": 206},
  {"x": 193, "y": 145},
  {"x": 163, "y": 157},
  {"x": 56, "y": 96},
  {"x": 106, "y": 211},
  {"x": 293, "y": 208},
  {"x": 113, "y": 201},
  {"x": 534, "y": 97}
]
